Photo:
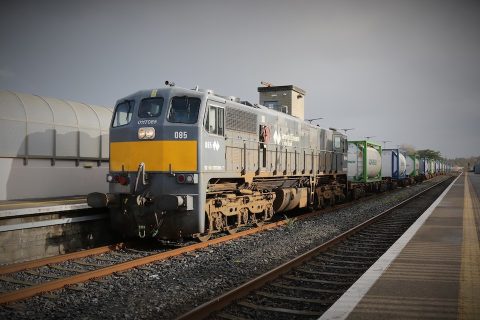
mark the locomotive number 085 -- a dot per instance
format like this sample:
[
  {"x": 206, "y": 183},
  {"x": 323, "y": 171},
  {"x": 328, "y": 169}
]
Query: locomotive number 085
[{"x": 180, "y": 135}]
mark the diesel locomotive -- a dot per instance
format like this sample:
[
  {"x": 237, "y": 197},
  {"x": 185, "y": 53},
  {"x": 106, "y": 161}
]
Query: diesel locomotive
[{"x": 191, "y": 163}]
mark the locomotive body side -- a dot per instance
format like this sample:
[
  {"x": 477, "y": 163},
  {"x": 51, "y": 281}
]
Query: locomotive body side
[{"x": 191, "y": 163}]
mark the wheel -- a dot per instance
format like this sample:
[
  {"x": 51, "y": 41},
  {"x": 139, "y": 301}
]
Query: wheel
[
  {"x": 259, "y": 223},
  {"x": 232, "y": 230},
  {"x": 204, "y": 238}
]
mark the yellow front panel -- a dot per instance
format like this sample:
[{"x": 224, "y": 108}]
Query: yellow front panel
[{"x": 157, "y": 155}]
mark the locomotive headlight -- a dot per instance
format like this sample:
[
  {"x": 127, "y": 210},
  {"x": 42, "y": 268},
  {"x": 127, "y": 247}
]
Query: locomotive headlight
[
  {"x": 141, "y": 133},
  {"x": 146, "y": 133},
  {"x": 149, "y": 133}
]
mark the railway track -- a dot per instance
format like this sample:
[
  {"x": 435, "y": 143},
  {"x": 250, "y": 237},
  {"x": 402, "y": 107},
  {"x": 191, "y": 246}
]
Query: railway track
[
  {"x": 308, "y": 285},
  {"x": 24, "y": 280},
  {"x": 27, "y": 279}
]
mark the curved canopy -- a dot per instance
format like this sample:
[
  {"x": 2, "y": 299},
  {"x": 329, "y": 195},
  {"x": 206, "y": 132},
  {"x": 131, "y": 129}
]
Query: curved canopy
[{"x": 34, "y": 126}]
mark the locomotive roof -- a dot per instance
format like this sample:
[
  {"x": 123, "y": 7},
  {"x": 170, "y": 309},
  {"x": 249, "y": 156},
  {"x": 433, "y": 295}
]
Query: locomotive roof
[{"x": 175, "y": 90}]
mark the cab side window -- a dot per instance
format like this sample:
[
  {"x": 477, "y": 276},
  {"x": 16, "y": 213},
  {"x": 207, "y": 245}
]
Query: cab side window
[
  {"x": 123, "y": 113},
  {"x": 214, "y": 121},
  {"x": 337, "y": 142}
]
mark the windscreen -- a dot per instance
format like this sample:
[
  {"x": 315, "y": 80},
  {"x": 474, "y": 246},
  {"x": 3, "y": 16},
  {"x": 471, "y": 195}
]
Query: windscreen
[
  {"x": 150, "y": 108},
  {"x": 184, "y": 110}
]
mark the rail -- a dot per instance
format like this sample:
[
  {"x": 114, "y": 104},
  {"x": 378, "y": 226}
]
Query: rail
[
  {"x": 226, "y": 299},
  {"x": 40, "y": 288}
]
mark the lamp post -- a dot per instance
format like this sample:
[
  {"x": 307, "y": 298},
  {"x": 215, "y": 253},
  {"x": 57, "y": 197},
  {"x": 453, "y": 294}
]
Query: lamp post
[
  {"x": 347, "y": 129},
  {"x": 310, "y": 120}
]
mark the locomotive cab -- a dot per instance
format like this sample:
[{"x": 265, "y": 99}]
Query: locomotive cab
[{"x": 153, "y": 176}]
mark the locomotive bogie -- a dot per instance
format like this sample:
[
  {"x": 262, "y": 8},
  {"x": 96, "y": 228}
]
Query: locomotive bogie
[{"x": 231, "y": 211}]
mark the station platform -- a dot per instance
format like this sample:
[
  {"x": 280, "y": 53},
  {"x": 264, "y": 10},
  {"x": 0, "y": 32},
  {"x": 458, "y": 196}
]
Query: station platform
[
  {"x": 15, "y": 208},
  {"x": 38, "y": 228},
  {"x": 432, "y": 271}
]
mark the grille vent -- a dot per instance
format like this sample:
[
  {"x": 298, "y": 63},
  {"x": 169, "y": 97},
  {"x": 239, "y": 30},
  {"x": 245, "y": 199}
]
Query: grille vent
[{"x": 240, "y": 120}]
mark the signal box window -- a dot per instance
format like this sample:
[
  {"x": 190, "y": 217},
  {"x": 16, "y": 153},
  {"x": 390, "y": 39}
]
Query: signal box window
[
  {"x": 214, "y": 121},
  {"x": 184, "y": 110},
  {"x": 150, "y": 108},
  {"x": 271, "y": 104},
  {"x": 123, "y": 113}
]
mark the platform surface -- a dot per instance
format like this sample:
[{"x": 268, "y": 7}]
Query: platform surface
[
  {"x": 433, "y": 273},
  {"x": 11, "y": 208}
]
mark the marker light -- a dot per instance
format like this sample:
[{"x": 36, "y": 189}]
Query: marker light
[
  {"x": 181, "y": 178},
  {"x": 189, "y": 178},
  {"x": 146, "y": 133},
  {"x": 123, "y": 180}
]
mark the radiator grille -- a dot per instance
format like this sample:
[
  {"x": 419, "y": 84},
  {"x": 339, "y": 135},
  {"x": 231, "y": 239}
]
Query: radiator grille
[{"x": 240, "y": 120}]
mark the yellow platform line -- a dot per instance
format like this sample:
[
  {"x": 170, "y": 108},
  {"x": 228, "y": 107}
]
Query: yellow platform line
[{"x": 469, "y": 306}]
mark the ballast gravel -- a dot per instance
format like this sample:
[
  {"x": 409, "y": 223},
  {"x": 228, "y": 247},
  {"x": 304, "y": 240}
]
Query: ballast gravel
[{"x": 167, "y": 289}]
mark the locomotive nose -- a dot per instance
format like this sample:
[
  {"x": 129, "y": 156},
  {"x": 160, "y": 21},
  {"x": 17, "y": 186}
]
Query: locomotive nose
[{"x": 158, "y": 155}]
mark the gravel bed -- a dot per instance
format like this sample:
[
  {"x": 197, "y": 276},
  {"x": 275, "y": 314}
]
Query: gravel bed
[
  {"x": 50, "y": 271},
  {"x": 23, "y": 276},
  {"x": 9, "y": 286},
  {"x": 73, "y": 266},
  {"x": 100, "y": 262},
  {"x": 184, "y": 282}
]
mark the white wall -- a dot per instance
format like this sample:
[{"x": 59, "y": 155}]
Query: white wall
[{"x": 39, "y": 179}]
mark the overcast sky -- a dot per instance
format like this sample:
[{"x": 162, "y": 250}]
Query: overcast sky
[{"x": 404, "y": 71}]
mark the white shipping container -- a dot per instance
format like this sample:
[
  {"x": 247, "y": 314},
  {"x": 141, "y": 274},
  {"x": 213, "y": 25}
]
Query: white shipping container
[
  {"x": 394, "y": 164},
  {"x": 355, "y": 162}
]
